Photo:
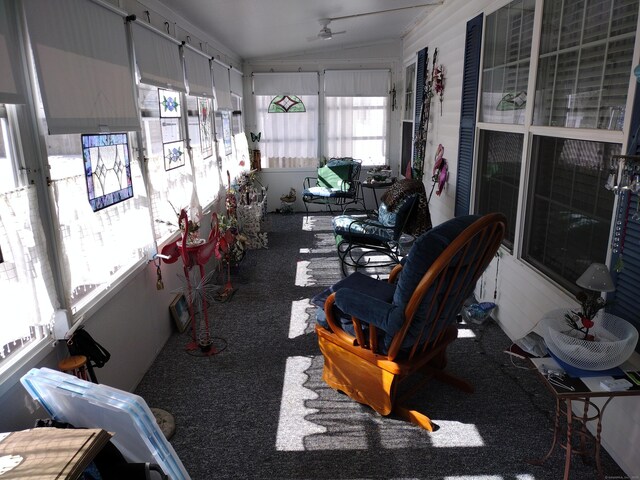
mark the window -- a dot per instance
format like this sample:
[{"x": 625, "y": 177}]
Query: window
[
  {"x": 582, "y": 82},
  {"x": 289, "y": 139},
  {"x": 356, "y": 114},
  {"x": 409, "y": 82},
  {"x": 500, "y": 157},
  {"x": 26, "y": 278},
  {"x": 583, "y": 72},
  {"x": 357, "y": 127},
  {"x": 505, "y": 64},
  {"x": 569, "y": 210}
]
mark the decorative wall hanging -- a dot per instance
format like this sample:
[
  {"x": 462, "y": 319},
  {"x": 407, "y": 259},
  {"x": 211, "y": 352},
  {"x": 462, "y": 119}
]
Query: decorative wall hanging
[
  {"x": 107, "y": 169},
  {"x": 438, "y": 83},
  {"x": 205, "y": 107},
  {"x": 423, "y": 128},
  {"x": 172, "y": 142},
  {"x": 173, "y": 155},
  {"x": 226, "y": 133},
  {"x": 286, "y": 104},
  {"x": 170, "y": 106},
  {"x": 440, "y": 173}
]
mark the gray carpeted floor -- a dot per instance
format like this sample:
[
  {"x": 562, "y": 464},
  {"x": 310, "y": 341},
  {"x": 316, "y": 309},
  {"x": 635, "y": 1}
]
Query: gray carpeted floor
[{"x": 260, "y": 410}]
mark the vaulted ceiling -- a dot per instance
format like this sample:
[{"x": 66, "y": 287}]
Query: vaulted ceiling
[{"x": 279, "y": 28}]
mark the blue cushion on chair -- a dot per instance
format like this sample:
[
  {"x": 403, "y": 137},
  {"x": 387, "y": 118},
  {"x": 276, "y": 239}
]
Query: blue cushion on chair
[
  {"x": 347, "y": 226},
  {"x": 425, "y": 250},
  {"x": 386, "y": 217}
]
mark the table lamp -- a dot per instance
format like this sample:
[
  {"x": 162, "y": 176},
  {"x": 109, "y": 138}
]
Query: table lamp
[{"x": 594, "y": 280}]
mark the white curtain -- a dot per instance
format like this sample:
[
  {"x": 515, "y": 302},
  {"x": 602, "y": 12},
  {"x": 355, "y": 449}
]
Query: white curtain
[
  {"x": 11, "y": 83},
  {"x": 26, "y": 281},
  {"x": 198, "y": 70},
  {"x": 289, "y": 140},
  {"x": 82, "y": 60},
  {"x": 222, "y": 86},
  {"x": 97, "y": 245},
  {"x": 158, "y": 58},
  {"x": 357, "y": 127}
]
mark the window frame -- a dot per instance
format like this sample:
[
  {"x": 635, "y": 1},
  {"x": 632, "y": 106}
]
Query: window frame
[{"x": 529, "y": 130}]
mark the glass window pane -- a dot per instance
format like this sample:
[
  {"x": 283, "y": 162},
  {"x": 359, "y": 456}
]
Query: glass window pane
[
  {"x": 584, "y": 66},
  {"x": 505, "y": 70},
  {"x": 288, "y": 140},
  {"x": 357, "y": 127},
  {"x": 569, "y": 210},
  {"x": 500, "y": 157}
]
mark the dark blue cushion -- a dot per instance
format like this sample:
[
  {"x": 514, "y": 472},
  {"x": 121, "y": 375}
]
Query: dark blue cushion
[{"x": 425, "y": 250}]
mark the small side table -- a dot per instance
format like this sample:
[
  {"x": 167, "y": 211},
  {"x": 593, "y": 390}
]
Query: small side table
[
  {"x": 567, "y": 392},
  {"x": 376, "y": 185}
]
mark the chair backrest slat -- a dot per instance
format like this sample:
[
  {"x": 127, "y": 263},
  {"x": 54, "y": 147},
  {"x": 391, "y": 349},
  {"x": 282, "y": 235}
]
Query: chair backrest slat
[{"x": 448, "y": 282}]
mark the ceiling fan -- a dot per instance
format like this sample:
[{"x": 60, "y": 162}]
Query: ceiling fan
[{"x": 326, "y": 33}]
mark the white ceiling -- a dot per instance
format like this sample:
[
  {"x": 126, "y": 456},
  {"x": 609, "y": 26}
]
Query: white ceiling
[{"x": 274, "y": 28}]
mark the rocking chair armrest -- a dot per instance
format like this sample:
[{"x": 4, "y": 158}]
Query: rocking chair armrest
[
  {"x": 366, "y": 308},
  {"x": 334, "y": 324},
  {"x": 393, "y": 276}
]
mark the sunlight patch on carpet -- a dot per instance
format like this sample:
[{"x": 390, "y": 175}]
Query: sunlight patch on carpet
[
  {"x": 301, "y": 316},
  {"x": 303, "y": 277},
  {"x": 292, "y": 425},
  {"x": 465, "y": 333},
  {"x": 316, "y": 223}
]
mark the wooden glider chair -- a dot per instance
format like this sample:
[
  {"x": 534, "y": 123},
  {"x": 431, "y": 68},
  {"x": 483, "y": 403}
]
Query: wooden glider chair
[
  {"x": 336, "y": 184},
  {"x": 404, "y": 209},
  {"x": 378, "y": 334}
]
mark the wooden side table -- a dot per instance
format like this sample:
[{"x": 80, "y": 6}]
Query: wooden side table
[
  {"x": 75, "y": 365},
  {"x": 567, "y": 392}
]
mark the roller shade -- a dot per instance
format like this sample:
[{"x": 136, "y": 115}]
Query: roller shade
[
  {"x": 11, "y": 79},
  {"x": 158, "y": 58},
  {"x": 357, "y": 83},
  {"x": 198, "y": 70},
  {"x": 221, "y": 84},
  {"x": 235, "y": 77},
  {"x": 82, "y": 62},
  {"x": 282, "y": 83}
]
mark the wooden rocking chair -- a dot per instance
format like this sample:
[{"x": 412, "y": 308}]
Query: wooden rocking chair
[{"x": 395, "y": 338}]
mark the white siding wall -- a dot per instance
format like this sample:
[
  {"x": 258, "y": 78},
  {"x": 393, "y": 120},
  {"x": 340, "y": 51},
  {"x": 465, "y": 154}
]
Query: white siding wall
[{"x": 523, "y": 295}]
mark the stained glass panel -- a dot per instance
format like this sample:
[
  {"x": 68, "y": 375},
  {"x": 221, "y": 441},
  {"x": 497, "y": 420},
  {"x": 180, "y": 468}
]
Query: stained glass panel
[
  {"x": 286, "y": 104},
  {"x": 205, "y": 107},
  {"x": 169, "y": 103},
  {"x": 107, "y": 169},
  {"x": 174, "y": 155}
]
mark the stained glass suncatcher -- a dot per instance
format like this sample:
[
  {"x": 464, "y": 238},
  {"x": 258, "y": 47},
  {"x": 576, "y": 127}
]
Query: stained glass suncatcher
[
  {"x": 107, "y": 169},
  {"x": 170, "y": 103},
  {"x": 286, "y": 104},
  {"x": 174, "y": 155},
  {"x": 206, "y": 130}
]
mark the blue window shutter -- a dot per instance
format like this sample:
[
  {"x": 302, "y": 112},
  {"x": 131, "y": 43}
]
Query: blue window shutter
[
  {"x": 624, "y": 300},
  {"x": 421, "y": 69},
  {"x": 473, "y": 41}
]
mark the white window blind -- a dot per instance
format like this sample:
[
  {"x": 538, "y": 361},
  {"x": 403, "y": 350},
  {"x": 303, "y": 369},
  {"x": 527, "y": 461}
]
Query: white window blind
[
  {"x": 222, "y": 86},
  {"x": 11, "y": 83},
  {"x": 82, "y": 62},
  {"x": 282, "y": 83},
  {"x": 235, "y": 77},
  {"x": 356, "y": 83},
  {"x": 158, "y": 58},
  {"x": 198, "y": 70}
]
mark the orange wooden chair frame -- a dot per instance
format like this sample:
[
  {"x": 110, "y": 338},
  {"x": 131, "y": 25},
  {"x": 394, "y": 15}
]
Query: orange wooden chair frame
[{"x": 353, "y": 364}]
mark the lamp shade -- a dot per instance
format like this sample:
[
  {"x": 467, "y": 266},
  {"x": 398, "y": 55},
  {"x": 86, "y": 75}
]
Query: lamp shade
[{"x": 596, "y": 277}]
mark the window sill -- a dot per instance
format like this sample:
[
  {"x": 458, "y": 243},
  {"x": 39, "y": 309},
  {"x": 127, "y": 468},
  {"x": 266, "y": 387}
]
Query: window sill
[{"x": 27, "y": 359}]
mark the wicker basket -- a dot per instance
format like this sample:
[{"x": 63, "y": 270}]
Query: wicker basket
[{"x": 615, "y": 340}]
